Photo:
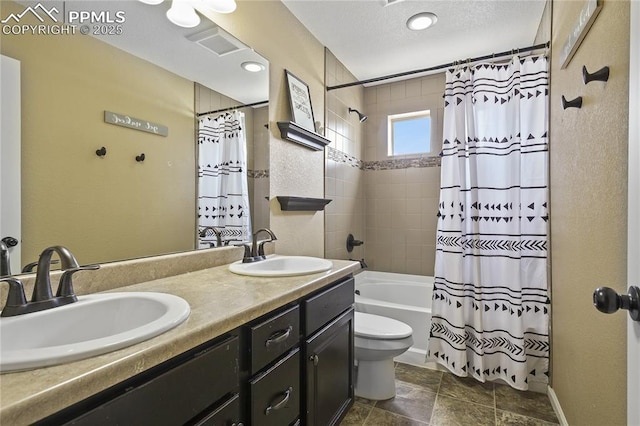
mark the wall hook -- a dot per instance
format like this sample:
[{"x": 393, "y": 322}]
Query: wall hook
[
  {"x": 574, "y": 103},
  {"x": 101, "y": 152},
  {"x": 140, "y": 158},
  {"x": 601, "y": 75}
]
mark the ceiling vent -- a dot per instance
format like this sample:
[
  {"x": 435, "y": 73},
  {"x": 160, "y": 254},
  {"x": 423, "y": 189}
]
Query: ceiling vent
[{"x": 217, "y": 41}]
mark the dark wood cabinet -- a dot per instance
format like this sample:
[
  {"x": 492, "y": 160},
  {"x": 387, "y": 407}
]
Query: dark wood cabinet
[
  {"x": 293, "y": 366},
  {"x": 225, "y": 414},
  {"x": 187, "y": 387},
  {"x": 328, "y": 356},
  {"x": 275, "y": 393},
  {"x": 329, "y": 372}
]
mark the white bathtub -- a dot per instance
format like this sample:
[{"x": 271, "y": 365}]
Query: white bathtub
[{"x": 406, "y": 298}]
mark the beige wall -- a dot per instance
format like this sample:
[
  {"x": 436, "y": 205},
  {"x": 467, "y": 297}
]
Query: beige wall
[
  {"x": 344, "y": 175},
  {"x": 402, "y": 193},
  {"x": 101, "y": 208},
  {"x": 588, "y": 162},
  {"x": 276, "y": 34}
]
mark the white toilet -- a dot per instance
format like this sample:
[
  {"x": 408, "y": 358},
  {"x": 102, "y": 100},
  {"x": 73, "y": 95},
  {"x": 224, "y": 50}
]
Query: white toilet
[{"x": 377, "y": 340}]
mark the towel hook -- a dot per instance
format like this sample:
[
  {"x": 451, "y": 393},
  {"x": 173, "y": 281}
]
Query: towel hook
[
  {"x": 601, "y": 75},
  {"x": 574, "y": 103},
  {"x": 140, "y": 158},
  {"x": 101, "y": 152}
]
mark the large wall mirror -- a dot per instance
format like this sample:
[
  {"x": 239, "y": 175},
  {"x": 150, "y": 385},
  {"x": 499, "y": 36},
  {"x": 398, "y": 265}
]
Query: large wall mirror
[{"x": 114, "y": 206}]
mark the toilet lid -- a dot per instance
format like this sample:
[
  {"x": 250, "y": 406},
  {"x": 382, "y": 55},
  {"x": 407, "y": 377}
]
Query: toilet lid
[{"x": 377, "y": 327}]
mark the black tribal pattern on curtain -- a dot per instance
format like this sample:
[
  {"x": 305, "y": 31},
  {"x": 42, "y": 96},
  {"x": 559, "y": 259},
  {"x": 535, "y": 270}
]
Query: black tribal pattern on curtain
[
  {"x": 490, "y": 302},
  {"x": 223, "y": 192}
]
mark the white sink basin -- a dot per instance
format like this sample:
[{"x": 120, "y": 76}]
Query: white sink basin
[
  {"x": 94, "y": 325},
  {"x": 282, "y": 266}
]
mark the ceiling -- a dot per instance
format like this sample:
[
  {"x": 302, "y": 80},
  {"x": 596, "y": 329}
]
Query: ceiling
[
  {"x": 368, "y": 36},
  {"x": 148, "y": 34},
  {"x": 371, "y": 39}
]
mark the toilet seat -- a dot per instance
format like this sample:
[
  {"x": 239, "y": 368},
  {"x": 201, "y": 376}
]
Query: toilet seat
[{"x": 381, "y": 328}]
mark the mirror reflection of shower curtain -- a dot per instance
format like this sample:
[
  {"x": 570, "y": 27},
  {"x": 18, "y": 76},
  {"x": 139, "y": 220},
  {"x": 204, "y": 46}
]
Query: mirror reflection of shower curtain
[{"x": 223, "y": 192}]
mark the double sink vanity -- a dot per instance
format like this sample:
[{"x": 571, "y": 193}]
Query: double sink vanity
[{"x": 271, "y": 349}]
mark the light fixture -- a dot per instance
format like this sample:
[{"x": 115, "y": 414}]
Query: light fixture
[
  {"x": 421, "y": 21},
  {"x": 220, "y": 6},
  {"x": 361, "y": 116},
  {"x": 252, "y": 66},
  {"x": 152, "y": 2},
  {"x": 183, "y": 14}
]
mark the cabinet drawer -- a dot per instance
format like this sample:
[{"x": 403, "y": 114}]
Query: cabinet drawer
[
  {"x": 275, "y": 394},
  {"x": 227, "y": 414},
  {"x": 323, "y": 307},
  {"x": 273, "y": 337},
  {"x": 175, "y": 396}
]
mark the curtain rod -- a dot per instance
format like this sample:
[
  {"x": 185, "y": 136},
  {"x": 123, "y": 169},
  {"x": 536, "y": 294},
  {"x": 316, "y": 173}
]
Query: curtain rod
[
  {"x": 200, "y": 114},
  {"x": 438, "y": 67}
]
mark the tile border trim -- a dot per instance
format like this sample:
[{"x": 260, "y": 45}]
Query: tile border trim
[{"x": 400, "y": 163}]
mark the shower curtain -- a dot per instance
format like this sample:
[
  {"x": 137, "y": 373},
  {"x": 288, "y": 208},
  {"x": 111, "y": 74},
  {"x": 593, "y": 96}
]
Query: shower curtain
[
  {"x": 490, "y": 301},
  {"x": 223, "y": 194}
]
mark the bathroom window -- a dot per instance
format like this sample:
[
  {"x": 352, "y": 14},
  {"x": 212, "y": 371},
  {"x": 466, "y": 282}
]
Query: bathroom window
[{"x": 409, "y": 133}]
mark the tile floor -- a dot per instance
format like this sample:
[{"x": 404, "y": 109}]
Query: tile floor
[{"x": 429, "y": 397}]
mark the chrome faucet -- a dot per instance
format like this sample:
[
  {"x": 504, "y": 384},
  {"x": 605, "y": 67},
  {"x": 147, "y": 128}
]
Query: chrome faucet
[
  {"x": 43, "y": 297},
  {"x": 255, "y": 252},
  {"x": 217, "y": 233}
]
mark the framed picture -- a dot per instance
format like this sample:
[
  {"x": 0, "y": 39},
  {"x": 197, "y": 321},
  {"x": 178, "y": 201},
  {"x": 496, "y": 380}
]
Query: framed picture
[{"x": 300, "y": 102}]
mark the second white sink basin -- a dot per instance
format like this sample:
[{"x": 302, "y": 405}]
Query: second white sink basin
[
  {"x": 282, "y": 266},
  {"x": 94, "y": 325}
]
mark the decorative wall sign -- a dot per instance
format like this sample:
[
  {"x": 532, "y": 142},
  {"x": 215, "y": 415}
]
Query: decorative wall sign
[
  {"x": 300, "y": 102},
  {"x": 581, "y": 27},
  {"x": 135, "y": 123}
]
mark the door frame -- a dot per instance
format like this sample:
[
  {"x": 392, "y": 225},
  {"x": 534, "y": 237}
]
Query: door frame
[
  {"x": 633, "y": 221},
  {"x": 10, "y": 139}
]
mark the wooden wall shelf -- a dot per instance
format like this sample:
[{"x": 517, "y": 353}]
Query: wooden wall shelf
[
  {"x": 295, "y": 133},
  {"x": 302, "y": 203}
]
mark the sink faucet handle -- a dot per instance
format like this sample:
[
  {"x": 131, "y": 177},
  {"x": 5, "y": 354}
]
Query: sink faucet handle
[
  {"x": 16, "y": 297},
  {"x": 247, "y": 249},
  {"x": 65, "y": 286}
]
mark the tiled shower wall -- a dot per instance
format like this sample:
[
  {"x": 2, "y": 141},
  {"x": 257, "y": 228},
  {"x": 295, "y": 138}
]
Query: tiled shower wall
[
  {"x": 344, "y": 177},
  {"x": 389, "y": 203},
  {"x": 402, "y": 193},
  {"x": 257, "y": 149}
]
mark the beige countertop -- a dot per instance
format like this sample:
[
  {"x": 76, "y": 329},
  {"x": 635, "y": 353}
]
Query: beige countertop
[{"x": 220, "y": 301}]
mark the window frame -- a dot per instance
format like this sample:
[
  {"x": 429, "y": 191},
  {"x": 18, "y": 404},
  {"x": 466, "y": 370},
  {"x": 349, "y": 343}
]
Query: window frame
[{"x": 393, "y": 118}]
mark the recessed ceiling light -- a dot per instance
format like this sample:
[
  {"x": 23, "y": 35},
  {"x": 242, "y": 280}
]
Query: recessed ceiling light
[
  {"x": 252, "y": 66},
  {"x": 152, "y": 2},
  {"x": 421, "y": 21}
]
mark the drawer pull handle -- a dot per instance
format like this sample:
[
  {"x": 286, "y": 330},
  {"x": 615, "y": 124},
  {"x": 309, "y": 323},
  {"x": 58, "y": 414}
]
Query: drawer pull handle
[
  {"x": 279, "y": 336},
  {"x": 280, "y": 404}
]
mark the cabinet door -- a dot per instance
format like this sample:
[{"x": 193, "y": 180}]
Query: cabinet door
[{"x": 329, "y": 372}]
